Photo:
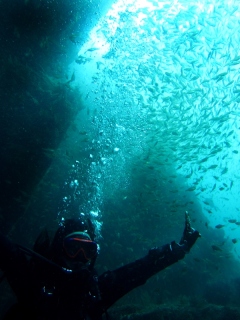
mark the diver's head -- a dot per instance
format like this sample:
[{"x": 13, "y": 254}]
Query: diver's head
[
  {"x": 79, "y": 248},
  {"x": 73, "y": 245}
]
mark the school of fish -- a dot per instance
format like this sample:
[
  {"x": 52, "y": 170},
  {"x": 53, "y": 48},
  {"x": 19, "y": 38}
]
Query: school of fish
[{"x": 170, "y": 92}]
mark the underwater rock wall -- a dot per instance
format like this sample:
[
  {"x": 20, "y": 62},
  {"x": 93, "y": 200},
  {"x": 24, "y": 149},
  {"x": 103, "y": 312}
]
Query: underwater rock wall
[{"x": 38, "y": 99}]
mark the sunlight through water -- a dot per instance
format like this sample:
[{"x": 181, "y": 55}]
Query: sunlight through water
[{"x": 164, "y": 77}]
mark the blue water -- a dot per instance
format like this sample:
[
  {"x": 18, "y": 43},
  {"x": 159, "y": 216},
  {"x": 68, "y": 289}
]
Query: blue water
[
  {"x": 156, "y": 133},
  {"x": 160, "y": 82}
]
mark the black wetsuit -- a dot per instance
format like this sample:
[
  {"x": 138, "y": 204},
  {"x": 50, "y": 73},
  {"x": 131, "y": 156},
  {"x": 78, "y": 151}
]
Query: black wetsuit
[{"x": 47, "y": 291}]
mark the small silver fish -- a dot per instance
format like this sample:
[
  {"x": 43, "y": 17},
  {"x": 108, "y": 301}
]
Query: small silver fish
[
  {"x": 216, "y": 248},
  {"x": 219, "y": 226}
]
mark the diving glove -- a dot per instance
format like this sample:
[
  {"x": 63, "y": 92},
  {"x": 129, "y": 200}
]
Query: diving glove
[{"x": 190, "y": 235}]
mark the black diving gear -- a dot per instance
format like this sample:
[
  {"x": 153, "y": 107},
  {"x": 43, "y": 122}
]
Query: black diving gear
[{"x": 47, "y": 289}]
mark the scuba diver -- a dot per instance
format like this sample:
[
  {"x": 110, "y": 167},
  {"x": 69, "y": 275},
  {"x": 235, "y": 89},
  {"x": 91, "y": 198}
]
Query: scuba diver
[{"x": 58, "y": 281}]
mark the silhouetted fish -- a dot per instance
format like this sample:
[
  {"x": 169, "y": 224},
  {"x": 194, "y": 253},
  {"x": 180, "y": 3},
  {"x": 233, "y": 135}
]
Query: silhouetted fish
[
  {"x": 219, "y": 226},
  {"x": 216, "y": 248}
]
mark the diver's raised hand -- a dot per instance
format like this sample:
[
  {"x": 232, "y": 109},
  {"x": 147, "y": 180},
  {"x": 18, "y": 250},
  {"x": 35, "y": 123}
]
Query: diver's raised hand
[{"x": 190, "y": 235}]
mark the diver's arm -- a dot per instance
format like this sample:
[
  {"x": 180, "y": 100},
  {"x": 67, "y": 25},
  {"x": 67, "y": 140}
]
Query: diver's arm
[
  {"x": 10, "y": 255},
  {"x": 15, "y": 267},
  {"x": 24, "y": 269},
  {"x": 115, "y": 284},
  {"x": 13, "y": 254}
]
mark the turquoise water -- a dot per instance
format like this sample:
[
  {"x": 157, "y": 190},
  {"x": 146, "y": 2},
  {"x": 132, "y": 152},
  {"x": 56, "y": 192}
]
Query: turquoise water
[
  {"x": 155, "y": 92},
  {"x": 160, "y": 134},
  {"x": 161, "y": 85}
]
